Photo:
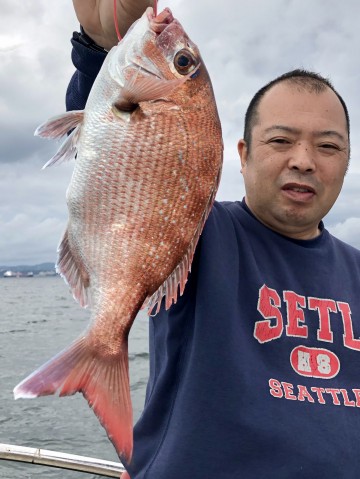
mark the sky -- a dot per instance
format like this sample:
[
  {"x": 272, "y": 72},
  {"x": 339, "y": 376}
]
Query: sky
[{"x": 244, "y": 45}]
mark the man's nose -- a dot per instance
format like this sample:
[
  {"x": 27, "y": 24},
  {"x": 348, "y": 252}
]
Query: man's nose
[{"x": 302, "y": 158}]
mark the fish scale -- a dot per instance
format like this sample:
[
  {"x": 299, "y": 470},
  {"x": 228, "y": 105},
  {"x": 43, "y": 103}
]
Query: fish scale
[{"x": 149, "y": 156}]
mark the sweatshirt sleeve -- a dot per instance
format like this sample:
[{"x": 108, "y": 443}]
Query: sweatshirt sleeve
[{"x": 87, "y": 62}]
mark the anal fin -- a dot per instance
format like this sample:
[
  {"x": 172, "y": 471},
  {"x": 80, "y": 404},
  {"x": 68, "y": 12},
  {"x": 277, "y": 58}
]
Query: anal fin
[{"x": 73, "y": 271}]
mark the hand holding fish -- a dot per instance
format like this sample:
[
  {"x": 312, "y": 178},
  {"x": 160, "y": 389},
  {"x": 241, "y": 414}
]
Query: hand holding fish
[{"x": 97, "y": 18}]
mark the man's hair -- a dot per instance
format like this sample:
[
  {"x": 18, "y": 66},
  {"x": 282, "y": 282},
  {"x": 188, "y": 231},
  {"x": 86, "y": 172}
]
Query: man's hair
[{"x": 303, "y": 79}]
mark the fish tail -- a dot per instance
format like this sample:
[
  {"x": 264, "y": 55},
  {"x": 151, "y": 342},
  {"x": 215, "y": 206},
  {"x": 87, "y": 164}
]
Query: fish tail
[{"x": 103, "y": 380}]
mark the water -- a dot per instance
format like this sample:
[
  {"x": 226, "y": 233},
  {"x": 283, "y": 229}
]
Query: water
[{"x": 38, "y": 318}]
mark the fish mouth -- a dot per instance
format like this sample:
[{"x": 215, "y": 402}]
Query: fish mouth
[
  {"x": 159, "y": 23},
  {"x": 169, "y": 33}
]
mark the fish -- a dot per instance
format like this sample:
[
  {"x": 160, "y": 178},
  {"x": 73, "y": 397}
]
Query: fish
[{"x": 149, "y": 151}]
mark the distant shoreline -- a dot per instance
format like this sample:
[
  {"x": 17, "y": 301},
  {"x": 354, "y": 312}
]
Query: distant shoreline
[
  {"x": 25, "y": 276},
  {"x": 28, "y": 271}
]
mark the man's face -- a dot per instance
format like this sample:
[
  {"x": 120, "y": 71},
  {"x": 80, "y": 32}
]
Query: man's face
[{"x": 296, "y": 165}]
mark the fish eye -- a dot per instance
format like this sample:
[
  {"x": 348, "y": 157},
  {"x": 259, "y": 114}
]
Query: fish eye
[{"x": 185, "y": 62}]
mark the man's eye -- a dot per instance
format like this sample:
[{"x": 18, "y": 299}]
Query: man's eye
[
  {"x": 329, "y": 146},
  {"x": 280, "y": 141}
]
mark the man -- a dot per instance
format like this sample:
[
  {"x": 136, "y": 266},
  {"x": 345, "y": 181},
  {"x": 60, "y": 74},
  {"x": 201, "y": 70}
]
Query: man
[{"x": 255, "y": 372}]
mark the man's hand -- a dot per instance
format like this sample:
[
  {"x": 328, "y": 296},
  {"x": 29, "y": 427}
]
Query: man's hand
[{"x": 97, "y": 18}]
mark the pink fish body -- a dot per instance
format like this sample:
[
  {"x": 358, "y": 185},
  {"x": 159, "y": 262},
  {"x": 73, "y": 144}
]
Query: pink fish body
[{"x": 149, "y": 156}]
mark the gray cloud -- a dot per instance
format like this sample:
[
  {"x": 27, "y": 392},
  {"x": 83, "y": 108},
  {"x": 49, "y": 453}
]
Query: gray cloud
[{"x": 348, "y": 231}]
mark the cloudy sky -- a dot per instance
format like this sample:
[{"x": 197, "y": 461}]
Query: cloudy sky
[{"x": 244, "y": 45}]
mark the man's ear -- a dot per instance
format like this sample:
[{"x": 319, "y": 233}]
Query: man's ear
[{"x": 243, "y": 153}]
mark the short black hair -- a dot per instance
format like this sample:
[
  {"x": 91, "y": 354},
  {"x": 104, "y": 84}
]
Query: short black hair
[{"x": 311, "y": 81}]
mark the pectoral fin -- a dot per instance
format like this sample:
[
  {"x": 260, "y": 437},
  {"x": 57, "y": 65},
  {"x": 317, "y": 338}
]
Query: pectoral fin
[{"x": 149, "y": 88}]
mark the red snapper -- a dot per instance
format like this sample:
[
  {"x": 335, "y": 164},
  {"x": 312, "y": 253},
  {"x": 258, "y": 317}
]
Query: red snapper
[{"x": 149, "y": 155}]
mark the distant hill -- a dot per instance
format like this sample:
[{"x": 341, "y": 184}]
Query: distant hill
[{"x": 24, "y": 269}]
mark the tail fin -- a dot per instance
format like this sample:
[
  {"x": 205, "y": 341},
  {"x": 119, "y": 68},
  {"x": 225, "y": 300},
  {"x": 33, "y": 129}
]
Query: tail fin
[{"x": 104, "y": 382}]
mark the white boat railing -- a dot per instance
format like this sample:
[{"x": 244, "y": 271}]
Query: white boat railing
[{"x": 61, "y": 460}]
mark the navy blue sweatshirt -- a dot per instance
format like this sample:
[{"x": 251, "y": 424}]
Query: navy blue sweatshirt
[{"x": 255, "y": 372}]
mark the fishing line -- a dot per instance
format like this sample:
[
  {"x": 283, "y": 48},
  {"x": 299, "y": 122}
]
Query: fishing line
[{"x": 116, "y": 22}]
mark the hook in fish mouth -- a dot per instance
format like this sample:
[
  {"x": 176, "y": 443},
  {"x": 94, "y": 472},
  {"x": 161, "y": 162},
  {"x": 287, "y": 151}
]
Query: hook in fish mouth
[{"x": 160, "y": 22}]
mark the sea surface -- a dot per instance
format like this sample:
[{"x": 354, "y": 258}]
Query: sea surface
[{"x": 38, "y": 318}]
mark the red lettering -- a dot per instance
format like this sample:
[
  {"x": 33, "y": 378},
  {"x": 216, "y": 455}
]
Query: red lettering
[
  {"x": 288, "y": 390},
  {"x": 304, "y": 393},
  {"x": 349, "y": 340},
  {"x": 275, "y": 388},
  {"x": 334, "y": 392},
  {"x": 347, "y": 402},
  {"x": 295, "y": 315},
  {"x": 357, "y": 396},
  {"x": 268, "y": 306},
  {"x": 271, "y": 327},
  {"x": 323, "y": 306},
  {"x": 319, "y": 392}
]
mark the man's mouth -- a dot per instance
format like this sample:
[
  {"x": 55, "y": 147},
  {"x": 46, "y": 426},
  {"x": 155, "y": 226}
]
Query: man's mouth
[
  {"x": 299, "y": 192},
  {"x": 298, "y": 188}
]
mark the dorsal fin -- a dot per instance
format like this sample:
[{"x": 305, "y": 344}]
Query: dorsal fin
[{"x": 178, "y": 277}]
